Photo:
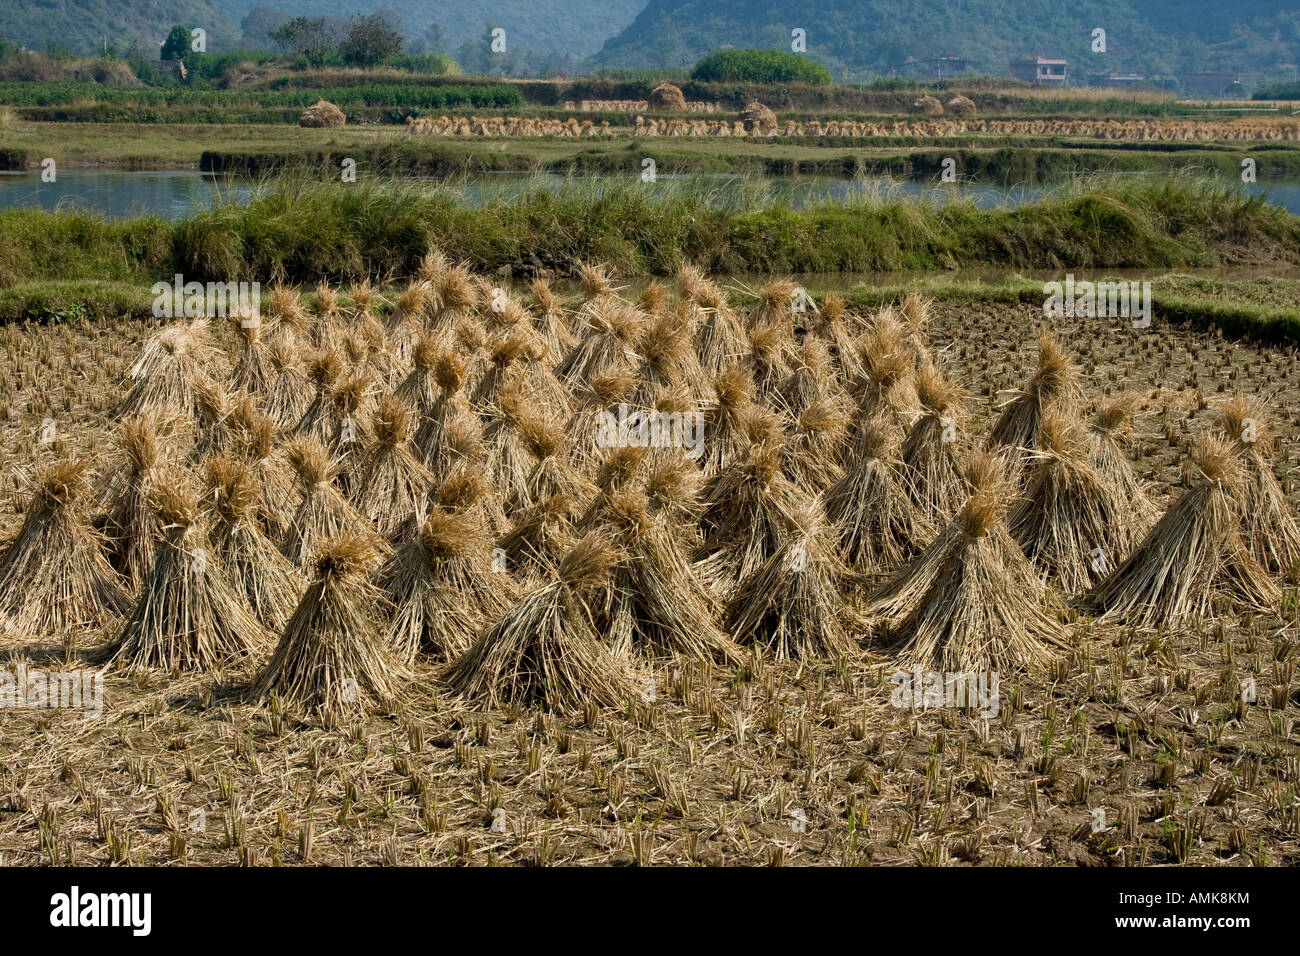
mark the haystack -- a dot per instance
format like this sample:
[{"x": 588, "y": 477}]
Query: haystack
[
  {"x": 875, "y": 522},
  {"x": 391, "y": 485},
  {"x": 1195, "y": 558},
  {"x": 169, "y": 365},
  {"x": 960, "y": 106},
  {"x": 332, "y": 658},
  {"x": 758, "y": 119},
  {"x": 928, "y": 105},
  {"x": 746, "y": 515},
  {"x": 322, "y": 115},
  {"x": 1055, "y": 384},
  {"x": 721, "y": 341},
  {"x": 546, "y": 650},
  {"x": 188, "y": 616},
  {"x": 289, "y": 392},
  {"x": 666, "y": 97},
  {"x": 932, "y": 468},
  {"x": 1267, "y": 522},
  {"x": 1109, "y": 429},
  {"x": 793, "y": 603},
  {"x": 323, "y": 513},
  {"x": 655, "y": 604},
  {"x": 443, "y": 587},
  {"x": 53, "y": 575},
  {"x": 261, "y": 575},
  {"x": 1070, "y": 521},
  {"x": 971, "y": 601},
  {"x": 143, "y": 468}
]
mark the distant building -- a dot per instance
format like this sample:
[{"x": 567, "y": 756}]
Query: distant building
[
  {"x": 1116, "y": 81},
  {"x": 1212, "y": 84},
  {"x": 1044, "y": 70}
]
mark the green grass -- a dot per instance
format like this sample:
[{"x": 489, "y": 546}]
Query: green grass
[{"x": 299, "y": 230}]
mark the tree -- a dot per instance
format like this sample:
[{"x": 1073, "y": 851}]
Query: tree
[
  {"x": 370, "y": 40},
  {"x": 309, "y": 37},
  {"x": 177, "y": 44}
]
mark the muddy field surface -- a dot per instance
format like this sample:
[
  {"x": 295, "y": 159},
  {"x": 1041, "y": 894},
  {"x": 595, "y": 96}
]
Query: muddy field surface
[{"x": 1133, "y": 748}]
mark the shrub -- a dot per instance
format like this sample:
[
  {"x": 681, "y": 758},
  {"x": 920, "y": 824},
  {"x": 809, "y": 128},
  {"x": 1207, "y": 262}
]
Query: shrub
[{"x": 759, "y": 66}]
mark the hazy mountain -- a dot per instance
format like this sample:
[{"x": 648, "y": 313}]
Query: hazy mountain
[
  {"x": 875, "y": 36},
  {"x": 82, "y": 26},
  {"x": 576, "y": 27}
]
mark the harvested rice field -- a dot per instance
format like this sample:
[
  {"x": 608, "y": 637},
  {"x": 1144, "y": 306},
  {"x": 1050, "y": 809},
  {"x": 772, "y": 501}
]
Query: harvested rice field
[{"x": 388, "y": 577}]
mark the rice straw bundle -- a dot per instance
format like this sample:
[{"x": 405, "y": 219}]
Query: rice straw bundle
[
  {"x": 875, "y": 522},
  {"x": 323, "y": 513},
  {"x": 1267, "y": 522},
  {"x": 322, "y": 330},
  {"x": 1107, "y": 454},
  {"x": 406, "y": 319},
  {"x": 1195, "y": 556},
  {"x": 455, "y": 296},
  {"x": 813, "y": 379},
  {"x": 188, "y": 616},
  {"x": 972, "y": 601},
  {"x": 916, "y": 313},
  {"x": 172, "y": 361},
  {"x": 775, "y": 308},
  {"x": 508, "y": 458},
  {"x": 1055, "y": 384},
  {"x": 612, "y": 328},
  {"x": 467, "y": 489},
  {"x": 728, "y": 421},
  {"x": 539, "y": 538},
  {"x": 331, "y": 657},
  {"x": 551, "y": 322},
  {"x": 831, "y": 327},
  {"x": 932, "y": 471},
  {"x": 260, "y": 574},
  {"x": 721, "y": 340},
  {"x": 1070, "y": 521},
  {"x": 545, "y": 649},
  {"x": 593, "y": 401},
  {"x": 771, "y": 357},
  {"x": 746, "y": 514},
  {"x": 255, "y": 446},
  {"x": 288, "y": 318},
  {"x": 448, "y": 371},
  {"x": 792, "y": 603},
  {"x": 553, "y": 472},
  {"x": 289, "y": 392},
  {"x": 392, "y": 484},
  {"x": 668, "y": 358},
  {"x": 253, "y": 372},
  {"x": 132, "y": 522},
  {"x": 215, "y": 406},
  {"x": 813, "y": 448},
  {"x": 443, "y": 587},
  {"x": 673, "y": 486},
  {"x": 324, "y": 372},
  {"x": 895, "y": 599},
  {"x": 53, "y": 575},
  {"x": 888, "y": 382},
  {"x": 654, "y": 603}
]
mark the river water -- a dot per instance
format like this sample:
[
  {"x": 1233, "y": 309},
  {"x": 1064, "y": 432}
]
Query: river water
[{"x": 175, "y": 194}]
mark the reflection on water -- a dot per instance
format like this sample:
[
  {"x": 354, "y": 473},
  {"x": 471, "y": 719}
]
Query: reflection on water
[{"x": 175, "y": 194}]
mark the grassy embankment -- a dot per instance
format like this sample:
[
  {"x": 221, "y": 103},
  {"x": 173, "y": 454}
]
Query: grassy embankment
[{"x": 68, "y": 265}]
